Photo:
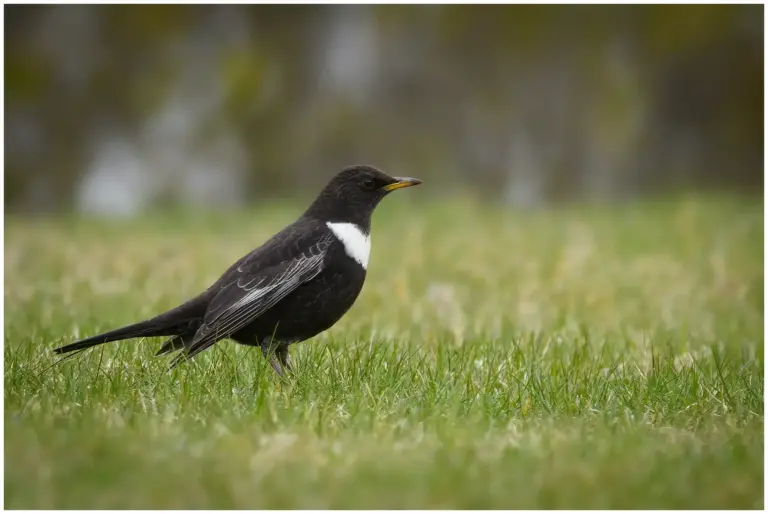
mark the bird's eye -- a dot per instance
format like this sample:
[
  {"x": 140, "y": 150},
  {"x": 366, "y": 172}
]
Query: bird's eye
[{"x": 368, "y": 184}]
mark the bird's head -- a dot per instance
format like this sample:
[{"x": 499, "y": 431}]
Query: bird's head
[{"x": 354, "y": 193}]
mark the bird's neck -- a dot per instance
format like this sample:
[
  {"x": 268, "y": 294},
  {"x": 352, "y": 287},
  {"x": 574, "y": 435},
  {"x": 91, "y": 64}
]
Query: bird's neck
[
  {"x": 340, "y": 213},
  {"x": 362, "y": 224}
]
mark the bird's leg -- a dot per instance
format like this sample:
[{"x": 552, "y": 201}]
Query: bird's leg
[
  {"x": 278, "y": 357},
  {"x": 284, "y": 357},
  {"x": 270, "y": 353}
]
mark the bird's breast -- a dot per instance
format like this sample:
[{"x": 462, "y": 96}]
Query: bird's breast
[{"x": 356, "y": 242}]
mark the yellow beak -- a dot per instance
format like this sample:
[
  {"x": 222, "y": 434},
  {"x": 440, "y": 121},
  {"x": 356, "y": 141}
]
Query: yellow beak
[{"x": 401, "y": 183}]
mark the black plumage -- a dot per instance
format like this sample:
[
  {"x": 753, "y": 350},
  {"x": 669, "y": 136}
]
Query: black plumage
[{"x": 296, "y": 285}]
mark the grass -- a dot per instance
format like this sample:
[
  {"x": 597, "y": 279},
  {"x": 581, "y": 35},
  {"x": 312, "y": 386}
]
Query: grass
[{"x": 580, "y": 357}]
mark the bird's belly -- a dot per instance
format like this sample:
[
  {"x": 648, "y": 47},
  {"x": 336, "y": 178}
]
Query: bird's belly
[{"x": 312, "y": 308}]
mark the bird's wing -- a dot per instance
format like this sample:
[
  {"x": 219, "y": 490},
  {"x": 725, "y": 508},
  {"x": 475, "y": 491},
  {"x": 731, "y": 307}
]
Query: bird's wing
[{"x": 252, "y": 293}]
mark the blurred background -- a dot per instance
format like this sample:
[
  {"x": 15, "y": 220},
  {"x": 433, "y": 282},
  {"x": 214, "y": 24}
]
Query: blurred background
[{"x": 118, "y": 109}]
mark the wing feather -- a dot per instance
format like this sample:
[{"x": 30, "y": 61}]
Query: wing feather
[{"x": 249, "y": 296}]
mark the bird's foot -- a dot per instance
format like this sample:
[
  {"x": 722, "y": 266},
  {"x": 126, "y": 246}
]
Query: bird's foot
[
  {"x": 279, "y": 359},
  {"x": 276, "y": 366}
]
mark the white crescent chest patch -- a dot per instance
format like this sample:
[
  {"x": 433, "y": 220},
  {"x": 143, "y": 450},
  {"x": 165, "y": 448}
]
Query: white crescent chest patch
[{"x": 356, "y": 243}]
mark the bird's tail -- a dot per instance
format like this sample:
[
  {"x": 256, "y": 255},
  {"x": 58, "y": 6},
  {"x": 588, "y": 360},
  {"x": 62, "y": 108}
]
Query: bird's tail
[
  {"x": 148, "y": 328},
  {"x": 178, "y": 321},
  {"x": 178, "y": 342}
]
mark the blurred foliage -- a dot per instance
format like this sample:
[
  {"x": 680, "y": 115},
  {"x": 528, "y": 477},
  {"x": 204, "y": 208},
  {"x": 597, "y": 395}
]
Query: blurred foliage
[
  {"x": 465, "y": 376},
  {"x": 527, "y": 103}
]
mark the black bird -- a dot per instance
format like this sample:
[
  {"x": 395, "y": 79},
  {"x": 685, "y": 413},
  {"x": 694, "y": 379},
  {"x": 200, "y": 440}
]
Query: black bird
[{"x": 296, "y": 285}]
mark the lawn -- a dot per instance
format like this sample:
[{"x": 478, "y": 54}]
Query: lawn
[{"x": 575, "y": 357}]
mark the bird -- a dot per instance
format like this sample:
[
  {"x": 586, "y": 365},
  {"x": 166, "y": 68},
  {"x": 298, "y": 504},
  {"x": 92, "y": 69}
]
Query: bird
[{"x": 297, "y": 284}]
